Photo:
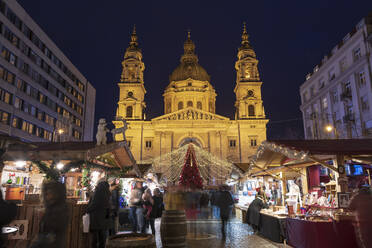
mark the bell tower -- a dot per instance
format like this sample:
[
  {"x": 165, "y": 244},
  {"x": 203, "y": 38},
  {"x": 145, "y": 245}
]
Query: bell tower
[
  {"x": 248, "y": 102},
  {"x": 131, "y": 103}
]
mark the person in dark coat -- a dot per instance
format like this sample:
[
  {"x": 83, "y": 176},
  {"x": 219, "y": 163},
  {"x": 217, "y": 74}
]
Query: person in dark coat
[
  {"x": 53, "y": 224},
  {"x": 253, "y": 214},
  {"x": 8, "y": 212},
  {"x": 157, "y": 208},
  {"x": 99, "y": 213},
  {"x": 215, "y": 208},
  {"x": 361, "y": 203},
  {"x": 225, "y": 202},
  {"x": 114, "y": 206}
]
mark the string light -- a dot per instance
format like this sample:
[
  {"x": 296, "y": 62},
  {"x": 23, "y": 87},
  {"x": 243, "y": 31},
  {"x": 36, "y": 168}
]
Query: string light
[{"x": 170, "y": 165}]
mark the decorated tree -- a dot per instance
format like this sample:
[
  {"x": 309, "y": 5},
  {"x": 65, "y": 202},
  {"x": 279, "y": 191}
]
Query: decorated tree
[{"x": 190, "y": 176}]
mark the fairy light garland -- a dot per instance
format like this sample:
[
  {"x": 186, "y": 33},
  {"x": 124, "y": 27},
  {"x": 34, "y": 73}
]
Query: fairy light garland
[{"x": 170, "y": 165}]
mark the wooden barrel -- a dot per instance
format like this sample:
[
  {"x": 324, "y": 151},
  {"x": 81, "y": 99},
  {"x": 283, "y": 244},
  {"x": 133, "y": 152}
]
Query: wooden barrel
[
  {"x": 131, "y": 240},
  {"x": 173, "y": 228}
]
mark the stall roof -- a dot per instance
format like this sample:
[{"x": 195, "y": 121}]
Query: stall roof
[
  {"x": 329, "y": 146},
  {"x": 293, "y": 153},
  {"x": 119, "y": 152}
]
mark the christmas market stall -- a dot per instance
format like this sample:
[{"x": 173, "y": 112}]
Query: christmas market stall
[
  {"x": 79, "y": 165},
  {"x": 317, "y": 179}
]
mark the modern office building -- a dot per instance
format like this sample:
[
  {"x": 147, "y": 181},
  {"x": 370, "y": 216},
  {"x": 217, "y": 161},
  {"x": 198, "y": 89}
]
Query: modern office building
[
  {"x": 43, "y": 96},
  {"x": 337, "y": 95}
]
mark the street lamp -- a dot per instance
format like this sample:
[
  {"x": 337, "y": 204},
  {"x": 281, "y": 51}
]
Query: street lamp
[
  {"x": 60, "y": 131},
  {"x": 329, "y": 129}
]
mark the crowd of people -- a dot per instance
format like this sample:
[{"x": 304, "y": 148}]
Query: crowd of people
[{"x": 145, "y": 207}]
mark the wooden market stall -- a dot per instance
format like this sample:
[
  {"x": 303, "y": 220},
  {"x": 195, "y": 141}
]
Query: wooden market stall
[
  {"x": 325, "y": 220},
  {"x": 27, "y": 179}
]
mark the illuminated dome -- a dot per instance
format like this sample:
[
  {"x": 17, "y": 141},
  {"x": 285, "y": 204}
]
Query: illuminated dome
[{"x": 189, "y": 67}]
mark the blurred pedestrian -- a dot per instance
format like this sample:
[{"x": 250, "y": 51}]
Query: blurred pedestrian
[
  {"x": 215, "y": 208},
  {"x": 225, "y": 202},
  {"x": 8, "y": 212},
  {"x": 361, "y": 203},
  {"x": 148, "y": 203},
  {"x": 99, "y": 212},
  {"x": 204, "y": 205},
  {"x": 157, "y": 208},
  {"x": 136, "y": 209},
  {"x": 53, "y": 224},
  {"x": 114, "y": 206},
  {"x": 253, "y": 214}
]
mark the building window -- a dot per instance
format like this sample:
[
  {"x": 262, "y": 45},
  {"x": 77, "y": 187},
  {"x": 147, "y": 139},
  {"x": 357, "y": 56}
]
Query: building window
[
  {"x": 189, "y": 104},
  {"x": 180, "y": 105},
  {"x": 253, "y": 142},
  {"x": 334, "y": 96},
  {"x": 148, "y": 144},
  {"x": 130, "y": 111},
  {"x": 5, "y": 96},
  {"x": 357, "y": 54},
  {"x": 232, "y": 143},
  {"x": 343, "y": 64},
  {"x": 304, "y": 97},
  {"x": 129, "y": 143},
  {"x": 364, "y": 103},
  {"x": 199, "y": 105},
  {"x": 362, "y": 78},
  {"x": 321, "y": 84},
  {"x": 309, "y": 133},
  {"x": 251, "y": 110},
  {"x": 4, "y": 118},
  {"x": 312, "y": 91},
  {"x": 324, "y": 103},
  {"x": 331, "y": 74}
]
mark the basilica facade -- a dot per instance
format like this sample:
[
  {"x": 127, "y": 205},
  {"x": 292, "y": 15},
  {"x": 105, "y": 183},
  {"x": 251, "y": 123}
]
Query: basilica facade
[{"x": 189, "y": 107}]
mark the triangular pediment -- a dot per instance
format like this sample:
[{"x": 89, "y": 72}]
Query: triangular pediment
[{"x": 191, "y": 114}]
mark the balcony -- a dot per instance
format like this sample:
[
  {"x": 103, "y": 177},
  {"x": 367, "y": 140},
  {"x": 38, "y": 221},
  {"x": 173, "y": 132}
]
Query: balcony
[
  {"x": 349, "y": 118},
  {"x": 346, "y": 95}
]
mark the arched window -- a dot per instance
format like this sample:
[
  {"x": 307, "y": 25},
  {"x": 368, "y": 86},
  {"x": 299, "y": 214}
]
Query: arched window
[
  {"x": 251, "y": 110},
  {"x": 129, "y": 111},
  {"x": 180, "y": 105},
  {"x": 189, "y": 104},
  {"x": 199, "y": 105},
  {"x": 169, "y": 107}
]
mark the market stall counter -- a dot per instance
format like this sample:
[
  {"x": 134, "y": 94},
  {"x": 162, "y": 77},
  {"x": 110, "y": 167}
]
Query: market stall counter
[
  {"x": 272, "y": 226},
  {"x": 327, "y": 234}
]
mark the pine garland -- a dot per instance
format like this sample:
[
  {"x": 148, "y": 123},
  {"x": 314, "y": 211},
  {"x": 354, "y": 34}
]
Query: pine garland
[
  {"x": 53, "y": 173},
  {"x": 50, "y": 172}
]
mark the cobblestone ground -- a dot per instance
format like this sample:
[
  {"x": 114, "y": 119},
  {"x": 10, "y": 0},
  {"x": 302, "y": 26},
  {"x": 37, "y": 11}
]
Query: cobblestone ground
[{"x": 238, "y": 235}]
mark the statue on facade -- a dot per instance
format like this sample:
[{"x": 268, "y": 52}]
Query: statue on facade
[
  {"x": 120, "y": 129},
  {"x": 101, "y": 132}
]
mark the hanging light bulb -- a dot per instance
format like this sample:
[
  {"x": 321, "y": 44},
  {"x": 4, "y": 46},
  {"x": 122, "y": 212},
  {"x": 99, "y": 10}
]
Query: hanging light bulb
[{"x": 60, "y": 166}]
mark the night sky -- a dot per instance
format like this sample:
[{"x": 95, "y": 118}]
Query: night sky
[{"x": 289, "y": 37}]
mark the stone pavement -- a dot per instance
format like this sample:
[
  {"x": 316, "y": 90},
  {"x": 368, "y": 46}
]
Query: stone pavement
[{"x": 238, "y": 235}]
